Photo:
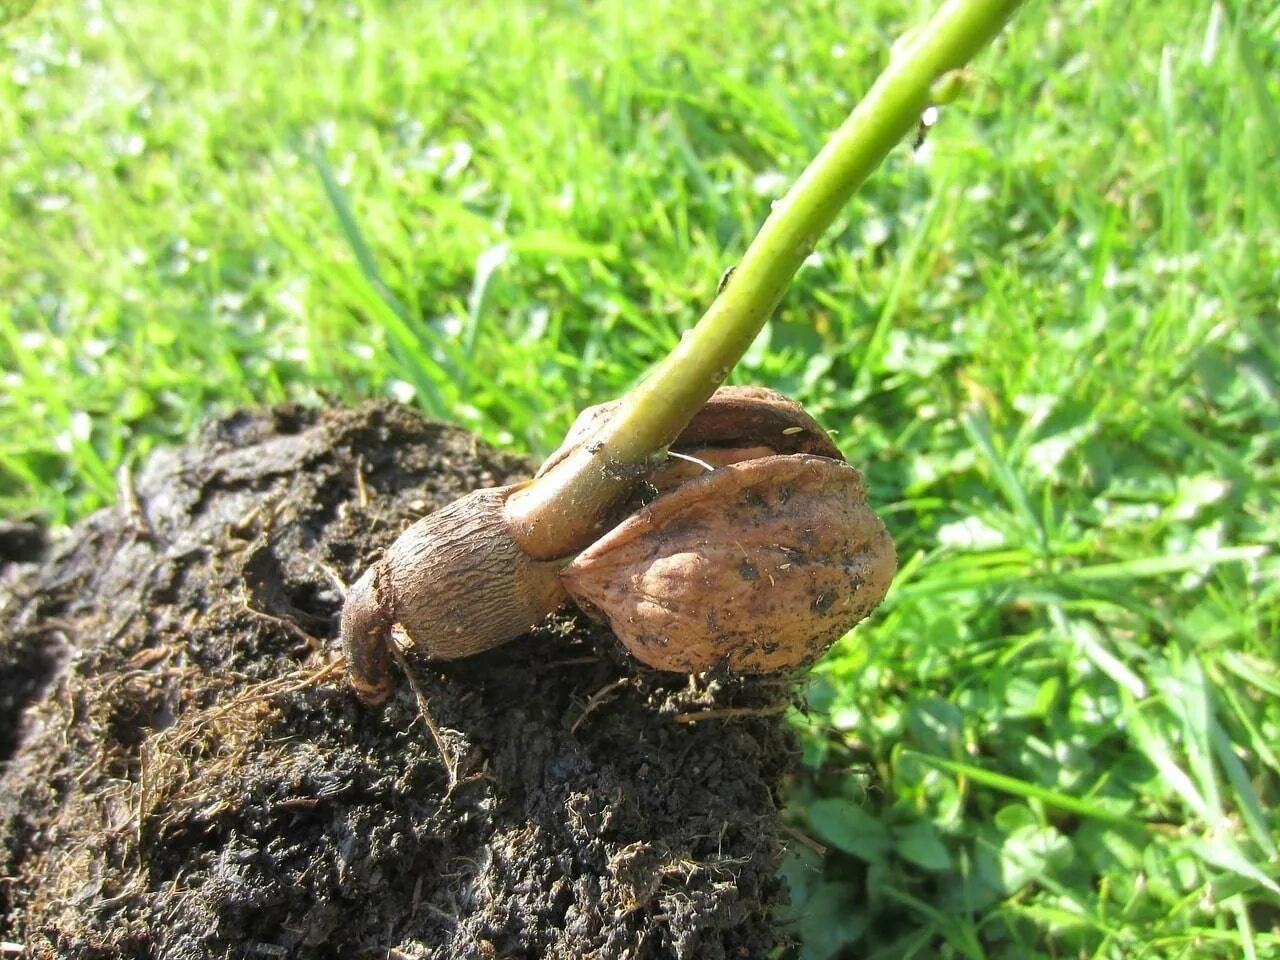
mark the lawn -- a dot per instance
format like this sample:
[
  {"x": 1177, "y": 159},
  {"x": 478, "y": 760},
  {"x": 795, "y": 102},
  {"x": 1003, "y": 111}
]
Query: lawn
[{"x": 1049, "y": 337}]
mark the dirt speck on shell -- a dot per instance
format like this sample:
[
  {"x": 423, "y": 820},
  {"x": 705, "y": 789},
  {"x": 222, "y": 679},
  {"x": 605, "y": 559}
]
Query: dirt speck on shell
[{"x": 186, "y": 774}]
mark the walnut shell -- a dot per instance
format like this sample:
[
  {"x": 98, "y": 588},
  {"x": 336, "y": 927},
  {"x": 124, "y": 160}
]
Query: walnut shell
[
  {"x": 757, "y": 566},
  {"x": 736, "y": 416}
]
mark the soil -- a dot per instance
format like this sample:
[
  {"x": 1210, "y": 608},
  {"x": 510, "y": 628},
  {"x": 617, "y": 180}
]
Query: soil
[{"x": 187, "y": 775}]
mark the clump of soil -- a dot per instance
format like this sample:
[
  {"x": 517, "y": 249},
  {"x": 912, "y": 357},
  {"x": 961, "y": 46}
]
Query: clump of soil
[{"x": 187, "y": 774}]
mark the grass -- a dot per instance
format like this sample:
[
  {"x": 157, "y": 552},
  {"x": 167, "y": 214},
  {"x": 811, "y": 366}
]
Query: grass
[{"x": 1049, "y": 337}]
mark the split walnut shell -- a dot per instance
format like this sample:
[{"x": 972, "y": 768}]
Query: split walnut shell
[
  {"x": 736, "y": 423},
  {"x": 455, "y": 582},
  {"x": 757, "y": 566},
  {"x": 733, "y": 417}
]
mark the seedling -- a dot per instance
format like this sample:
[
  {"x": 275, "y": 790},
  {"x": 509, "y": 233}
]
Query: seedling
[{"x": 488, "y": 567}]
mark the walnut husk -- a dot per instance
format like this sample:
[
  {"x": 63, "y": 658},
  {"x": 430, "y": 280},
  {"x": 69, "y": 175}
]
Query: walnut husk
[{"x": 757, "y": 566}]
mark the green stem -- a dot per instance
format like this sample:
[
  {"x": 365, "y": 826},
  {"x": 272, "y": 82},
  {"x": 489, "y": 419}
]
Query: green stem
[{"x": 564, "y": 510}]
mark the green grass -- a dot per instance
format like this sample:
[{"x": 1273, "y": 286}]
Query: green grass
[{"x": 1051, "y": 340}]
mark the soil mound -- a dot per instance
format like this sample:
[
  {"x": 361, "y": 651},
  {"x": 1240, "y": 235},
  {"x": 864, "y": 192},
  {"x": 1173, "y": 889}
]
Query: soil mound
[{"x": 186, "y": 774}]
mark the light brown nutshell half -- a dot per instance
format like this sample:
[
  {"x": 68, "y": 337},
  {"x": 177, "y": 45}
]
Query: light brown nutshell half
[
  {"x": 735, "y": 416},
  {"x": 757, "y": 566}
]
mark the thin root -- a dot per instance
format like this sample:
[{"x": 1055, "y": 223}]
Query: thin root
[
  {"x": 362, "y": 492},
  {"x": 450, "y": 764},
  {"x": 805, "y": 839},
  {"x": 288, "y": 625},
  {"x": 596, "y": 699},
  {"x": 128, "y": 496},
  {"x": 730, "y": 713},
  {"x": 274, "y": 687}
]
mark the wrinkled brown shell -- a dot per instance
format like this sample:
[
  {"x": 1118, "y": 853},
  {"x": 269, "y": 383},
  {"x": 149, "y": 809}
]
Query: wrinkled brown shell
[
  {"x": 455, "y": 582},
  {"x": 736, "y": 416},
  {"x": 758, "y": 566}
]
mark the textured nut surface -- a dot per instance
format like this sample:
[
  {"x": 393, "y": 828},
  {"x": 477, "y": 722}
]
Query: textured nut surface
[
  {"x": 455, "y": 582},
  {"x": 757, "y": 566},
  {"x": 459, "y": 584}
]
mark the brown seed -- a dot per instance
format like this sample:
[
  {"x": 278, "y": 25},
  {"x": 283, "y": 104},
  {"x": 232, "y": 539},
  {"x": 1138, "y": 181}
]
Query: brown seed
[
  {"x": 757, "y": 566},
  {"x": 455, "y": 582}
]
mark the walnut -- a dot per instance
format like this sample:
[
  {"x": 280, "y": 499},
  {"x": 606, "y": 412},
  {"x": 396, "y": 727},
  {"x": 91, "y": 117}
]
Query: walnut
[{"x": 756, "y": 566}]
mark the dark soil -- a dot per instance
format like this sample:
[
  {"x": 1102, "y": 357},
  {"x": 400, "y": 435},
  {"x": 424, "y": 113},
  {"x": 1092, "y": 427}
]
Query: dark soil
[{"x": 188, "y": 776}]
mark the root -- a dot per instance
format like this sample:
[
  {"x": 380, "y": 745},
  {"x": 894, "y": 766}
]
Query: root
[
  {"x": 450, "y": 763},
  {"x": 598, "y": 698},
  {"x": 730, "y": 713}
]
